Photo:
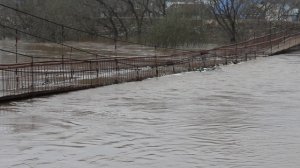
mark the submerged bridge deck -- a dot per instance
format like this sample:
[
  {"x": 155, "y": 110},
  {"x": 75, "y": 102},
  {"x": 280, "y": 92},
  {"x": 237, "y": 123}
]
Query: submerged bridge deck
[{"x": 18, "y": 81}]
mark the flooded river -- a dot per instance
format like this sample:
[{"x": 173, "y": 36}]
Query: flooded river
[
  {"x": 245, "y": 115},
  {"x": 79, "y": 51}
]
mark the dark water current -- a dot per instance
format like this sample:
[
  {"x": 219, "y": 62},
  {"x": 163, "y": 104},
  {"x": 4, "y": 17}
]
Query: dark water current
[{"x": 245, "y": 115}]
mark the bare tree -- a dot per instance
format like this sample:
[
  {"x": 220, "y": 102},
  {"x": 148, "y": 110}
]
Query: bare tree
[
  {"x": 160, "y": 7},
  {"x": 139, "y": 10},
  {"x": 112, "y": 11},
  {"x": 227, "y": 13}
]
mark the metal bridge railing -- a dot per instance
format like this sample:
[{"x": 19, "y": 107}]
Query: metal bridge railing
[{"x": 41, "y": 75}]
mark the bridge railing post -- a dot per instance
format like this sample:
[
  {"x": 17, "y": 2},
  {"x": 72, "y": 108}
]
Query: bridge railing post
[
  {"x": 97, "y": 69},
  {"x": 190, "y": 63},
  {"x": 32, "y": 75},
  {"x": 226, "y": 57},
  {"x": 137, "y": 73},
  {"x": 71, "y": 66},
  {"x": 16, "y": 70},
  {"x": 63, "y": 54},
  {"x": 117, "y": 69},
  {"x": 156, "y": 63},
  {"x": 3, "y": 83},
  {"x": 236, "y": 53},
  {"x": 91, "y": 73},
  {"x": 174, "y": 71},
  {"x": 270, "y": 36},
  {"x": 215, "y": 58},
  {"x": 204, "y": 61}
]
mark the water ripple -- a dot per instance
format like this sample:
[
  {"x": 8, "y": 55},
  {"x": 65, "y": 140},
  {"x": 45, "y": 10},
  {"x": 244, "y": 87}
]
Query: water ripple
[{"x": 244, "y": 115}]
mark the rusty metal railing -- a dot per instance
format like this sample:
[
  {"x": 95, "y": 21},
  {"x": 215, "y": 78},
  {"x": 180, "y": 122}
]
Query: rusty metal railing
[
  {"x": 43, "y": 75},
  {"x": 25, "y": 80}
]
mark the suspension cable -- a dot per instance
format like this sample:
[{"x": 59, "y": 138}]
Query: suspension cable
[{"x": 83, "y": 31}]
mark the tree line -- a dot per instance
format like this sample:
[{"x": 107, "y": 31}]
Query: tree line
[{"x": 157, "y": 22}]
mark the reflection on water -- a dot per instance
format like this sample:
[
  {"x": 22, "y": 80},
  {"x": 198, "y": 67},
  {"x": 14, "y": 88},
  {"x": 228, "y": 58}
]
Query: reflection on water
[{"x": 244, "y": 115}]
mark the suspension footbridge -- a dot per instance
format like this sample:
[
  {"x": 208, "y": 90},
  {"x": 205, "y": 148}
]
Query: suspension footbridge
[{"x": 61, "y": 74}]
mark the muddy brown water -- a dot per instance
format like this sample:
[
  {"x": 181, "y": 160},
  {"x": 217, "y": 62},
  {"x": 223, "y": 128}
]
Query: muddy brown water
[
  {"x": 80, "y": 50},
  {"x": 244, "y": 115}
]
